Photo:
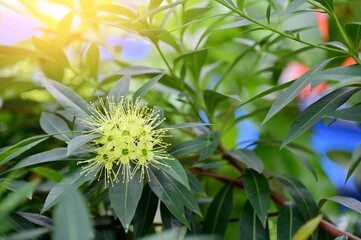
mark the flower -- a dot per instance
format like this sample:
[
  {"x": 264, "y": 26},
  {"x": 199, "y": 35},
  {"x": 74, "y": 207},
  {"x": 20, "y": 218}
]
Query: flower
[{"x": 130, "y": 139}]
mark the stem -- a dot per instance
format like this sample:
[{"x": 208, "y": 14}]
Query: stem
[
  {"x": 324, "y": 225},
  {"x": 279, "y": 32}
]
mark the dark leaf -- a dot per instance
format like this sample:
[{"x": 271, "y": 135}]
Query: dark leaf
[
  {"x": 349, "y": 202},
  {"x": 248, "y": 157},
  {"x": 249, "y": 225},
  {"x": 289, "y": 221},
  {"x": 145, "y": 88}
]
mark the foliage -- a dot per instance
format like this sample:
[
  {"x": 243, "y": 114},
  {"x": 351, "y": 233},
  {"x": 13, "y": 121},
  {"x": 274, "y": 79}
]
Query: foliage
[{"x": 206, "y": 62}]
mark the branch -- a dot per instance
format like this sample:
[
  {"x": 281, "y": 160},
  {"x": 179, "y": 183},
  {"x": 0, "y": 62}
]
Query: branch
[{"x": 324, "y": 225}]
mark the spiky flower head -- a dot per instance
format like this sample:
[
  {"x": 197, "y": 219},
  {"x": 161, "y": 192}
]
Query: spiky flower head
[{"x": 130, "y": 140}]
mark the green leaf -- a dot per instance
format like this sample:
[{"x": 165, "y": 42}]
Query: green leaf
[
  {"x": 14, "y": 185},
  {"x": 48, "y": 173},
  {"x": 159, "y": 9},
  {"x": 124, "y": 197},
  {"x": 52, "y": 70},
  {"x": 165, "y": 235},
  {"x": 92, "y": 60},
  {"x": 185, "y": 125},
  {"x": 71, "y": 101},
  {"x": 336, "y": 44},
  {"x": 208, "y": 165},
  {"x": 315, "y": 112},
  {"x": 139, "y": 70},
  {"x": 349, "y": 114},
  {"x": 19, "y": 148},
  {"x": 212, "y": 99},
  {"x": 71, "y": 217},
  {"x": 145, "y": 88},
  {"x": 308, "y": 228},
  {"x": 294, "y": 90},
  {"x": 52, "y": 50},
  {"x": 56, "y": 154},
  {"x": 187, "y": 147},
  {"x": 249, "y": 225},
  {"x": 79, "y": 141},
  {"x": 195, "y": 184},
  {"x": 248, "y": 157},
  {"x": 303, "y": 160},
  {"x": 349, "y": 202},
  {"x": 194, "y": 61},
  {"x": 113, "y": 9},
  {"x": 269, "y": 91},
  {"x": 9, "y": 203},
  {"x": 230, "y": 2},
  {"x": 168, "y": 220},
  {"x": 219, "y": 212},
  {"x": 240, "y": 4},
  {"x": 355, "y": 161},
  {"x": 353, "y": 30},
  {"x": 26, "y": 234},
  {"x": 212, "y": 140},
  {"x": 289, "y": 221},
  {"x": 120, "y": 89},
  {"x": 327, "y": 3},
  {"x": 145, "y": 213},
  {"x": 173, "y": 168},
  {"x": 75, "y": 179},
  {"x": 165, "y": 191},
  {"x": 154, "y": 4},
  {"x": 20, "y": 52},
  {"x": 268, "y": 14},
  {"x": 51, "y": 123},
  {"x": 64, "y": 29},
  {"x": 304, "y": 200},
  {"x": 258, "y": 192}
]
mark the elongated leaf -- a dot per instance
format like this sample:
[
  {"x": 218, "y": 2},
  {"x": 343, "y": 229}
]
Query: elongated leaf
[
  {"x": 185, "y": 125},
  {"x": 258, "y": 193},
  {"x": 173, "y": 168},
  {"x": 248, "y": 157},
  {"x": 343, "y": 237},
  {"x": 52, "y": 50},
  {"x": 113, "y": 9},
  {"x": 120, "y": 89},
  {"x": 349, "y": 114},
  {"x": 307, "y": 229},
  {"x": 20, "y": 52},
  {"x": 71, "y": 217},
  {"x": 75, "y": 179},
  {"x": 26, "y": 234},
  {"x": 354, "y": 32},
  {"x": 349, "y": 202},
  {"x": 167, "y": 194},
  {"x": 92, "y": 60},
  {"x": 327, "y": 3},
  {"x": 337, "y": 45},
  {"x": 48, "y": 173},
  {"x": 159, "y": 9},
  {"x": 289, "y": 221},
  {"x": 51, "y": 123},
  {"x": 212, "y": 99},
  {"x": 145, "y": 88},
  {"x": 212, "y": 139},
  {"x": 168, "y": 220},
  {"x": 314, "y": 113},
  {"x": 21, "y": 147},
  {"x": 269, "y": 91},
  {"x": 194, "y": 61},
  {"x": 64, "y": 29},
  {"x": 294, "y": 90},
  {"x": 14, "y": 185},
  {"x": 12, "y": 200},
  {"x": 303, "y": 160},
  {"x": 219, "y": 212},
  {"x": 249, "y": 225},
  {"x": 124, "y": 198},
  {"x": 139, "y": 70},
  {"x": 68, "y": 99},
  {"x": 187, "y": 147},
  {"x": 304, "y": 200},
  {"x": 154, "y": 4},
  {"x": 79, "y": 141},
  {"x": 355, "y": 161},
  {"x": 37, "y": 219},
  {"x": 195, "y": 184},
  {"x": 268, "y": 14},
  {"x": 56, "y": 154},
  {"x": 145, "y": 213}
]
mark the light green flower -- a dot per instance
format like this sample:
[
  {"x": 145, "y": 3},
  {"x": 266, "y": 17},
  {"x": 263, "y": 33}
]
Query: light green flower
[{"x": 129, "y": 134}]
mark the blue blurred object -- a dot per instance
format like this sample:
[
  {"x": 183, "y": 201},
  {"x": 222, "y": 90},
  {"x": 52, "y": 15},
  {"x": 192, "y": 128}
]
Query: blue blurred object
[
  {"x": 340, "y": 136},
  {"x": 133, "y": 49},
  {"x": 247, "y": 132}
]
